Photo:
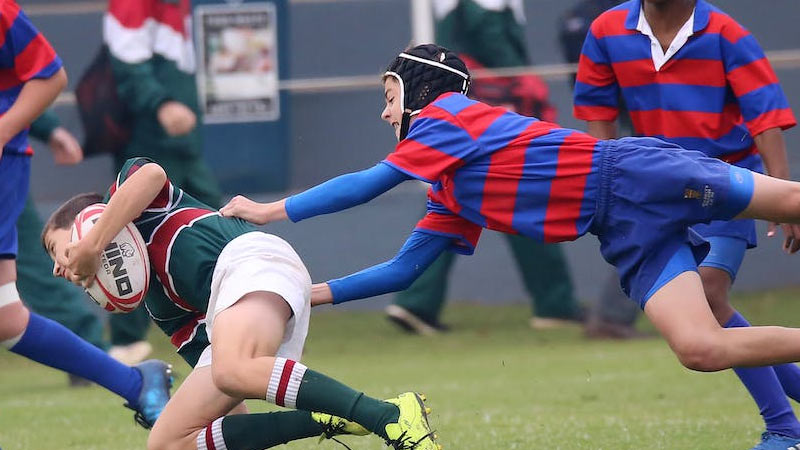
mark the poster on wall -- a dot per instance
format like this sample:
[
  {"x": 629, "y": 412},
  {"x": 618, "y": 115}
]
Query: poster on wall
[{"x": 238, "y": 62}]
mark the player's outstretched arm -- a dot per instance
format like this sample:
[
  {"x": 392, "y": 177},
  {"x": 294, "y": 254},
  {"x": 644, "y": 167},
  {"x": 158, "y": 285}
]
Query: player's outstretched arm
[
  {"x": 419, "y": 252},
  {"x": 127, "y": 203},
  {"x": 340, "y": 193}
]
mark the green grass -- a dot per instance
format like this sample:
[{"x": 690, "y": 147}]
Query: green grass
[{"x": 492, "y": 383}]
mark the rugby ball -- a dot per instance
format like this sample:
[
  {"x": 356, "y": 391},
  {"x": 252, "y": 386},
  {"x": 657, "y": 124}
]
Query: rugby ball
[{"x": 123, "y": 277}]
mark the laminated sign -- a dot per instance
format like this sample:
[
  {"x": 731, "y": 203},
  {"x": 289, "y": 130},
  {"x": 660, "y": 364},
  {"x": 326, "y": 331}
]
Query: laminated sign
[{"x": 238, "y": 62}]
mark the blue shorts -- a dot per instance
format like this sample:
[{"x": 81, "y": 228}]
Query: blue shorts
[
  {"x": 744, "y": 229},
  {"x": 651, "y": 192},
  {"x": 726, "y": 254},
  {"x": 15, "y": 173}
]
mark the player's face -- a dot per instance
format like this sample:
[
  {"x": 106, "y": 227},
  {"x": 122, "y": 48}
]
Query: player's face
[
  {"x": 393, "y": 111},
  {"x": 56, "y": 243}
]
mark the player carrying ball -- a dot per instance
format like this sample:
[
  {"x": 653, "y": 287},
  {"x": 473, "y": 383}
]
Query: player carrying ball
[
  {"x": 492, "y": 168},
  {"x": 235, "y": 302}
]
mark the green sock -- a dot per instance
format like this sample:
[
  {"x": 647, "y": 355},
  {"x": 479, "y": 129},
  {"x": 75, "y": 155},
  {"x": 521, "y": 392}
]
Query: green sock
[
  {"x": 257, "y": 431},
  {"x": 295, "y": 386}
]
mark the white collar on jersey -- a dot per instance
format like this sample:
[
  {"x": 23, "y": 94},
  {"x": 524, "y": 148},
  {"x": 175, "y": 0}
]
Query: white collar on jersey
[{"x": 659, "y": 56}]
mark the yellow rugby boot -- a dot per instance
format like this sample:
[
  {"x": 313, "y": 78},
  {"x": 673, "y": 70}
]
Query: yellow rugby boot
[
  {"x": 411, "y": 431},
  {"x": 336, "y": 426}
]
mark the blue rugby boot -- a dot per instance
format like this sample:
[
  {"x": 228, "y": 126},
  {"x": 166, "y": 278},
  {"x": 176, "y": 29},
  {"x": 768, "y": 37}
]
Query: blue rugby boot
[
  {"x": 772, "y": 441},
  {"x": 156, "y": 383}
]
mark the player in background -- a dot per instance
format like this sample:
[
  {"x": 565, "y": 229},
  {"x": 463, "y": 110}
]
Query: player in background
[
  {"x": 491, "y": 34},
  {"x": 33, "y": 77},
  {"x": 489, "y": 167},
  {"x": 153, "y": 61},
  {"x": 43, "y": 294},
  {"x": 235, "y": 302},
  {"x": 691, "y": 75}
]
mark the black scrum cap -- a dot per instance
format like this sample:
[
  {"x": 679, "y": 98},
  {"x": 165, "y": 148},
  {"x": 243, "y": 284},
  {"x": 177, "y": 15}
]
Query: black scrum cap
[{"x": 424, "y": 73}]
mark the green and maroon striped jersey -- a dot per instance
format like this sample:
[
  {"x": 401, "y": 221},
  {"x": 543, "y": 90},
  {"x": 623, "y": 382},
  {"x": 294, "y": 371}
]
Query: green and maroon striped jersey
[{"x": 184, "y": 239}]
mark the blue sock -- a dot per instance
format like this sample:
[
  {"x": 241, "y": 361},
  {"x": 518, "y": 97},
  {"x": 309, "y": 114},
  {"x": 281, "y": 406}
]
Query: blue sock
[
  {"x": 49, "y": 343},
  {"x": 789, "y": 376},
  {"x": 766, "y": 390}
]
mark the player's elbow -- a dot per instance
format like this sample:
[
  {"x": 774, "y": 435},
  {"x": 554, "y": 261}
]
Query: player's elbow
[
  {"x": 154, "y": 173},
  {"x": 56, "y": 82},
  {"x": 61, "y": 79}
]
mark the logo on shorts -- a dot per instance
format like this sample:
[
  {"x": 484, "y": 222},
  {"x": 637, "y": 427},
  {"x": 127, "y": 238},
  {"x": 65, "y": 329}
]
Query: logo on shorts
[
  {"x": 708, "y": 196},
  {"x": 691, "y": 194}
]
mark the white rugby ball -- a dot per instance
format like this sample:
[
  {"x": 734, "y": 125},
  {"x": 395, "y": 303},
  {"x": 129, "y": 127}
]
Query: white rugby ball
[{"x": 122, "y": 280}]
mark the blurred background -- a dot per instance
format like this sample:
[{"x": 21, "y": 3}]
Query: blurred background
[{"x": 330, "y": 54}]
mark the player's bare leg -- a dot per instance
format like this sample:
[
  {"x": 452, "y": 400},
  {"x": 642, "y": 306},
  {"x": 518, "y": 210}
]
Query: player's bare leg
[
  {"x": 245, "y": 340},
  {"x": 716, "y": 285},
  {"x": 13, "y": 314},
  {"x": 193, "y": 406},
  {"x": 680, "y": 311}
]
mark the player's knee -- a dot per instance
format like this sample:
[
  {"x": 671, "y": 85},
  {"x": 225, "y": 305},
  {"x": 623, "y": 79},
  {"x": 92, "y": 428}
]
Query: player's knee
[
  {"x": 13, "y": 321},
  {"x": 160, "y": 438},
  {"x": 227, "y": 377},
  {"x": 701, "y": 352},
  {"x": 159, "y": 441}
]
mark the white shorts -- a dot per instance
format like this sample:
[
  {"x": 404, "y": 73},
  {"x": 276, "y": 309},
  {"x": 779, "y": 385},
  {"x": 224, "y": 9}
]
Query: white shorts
[{"x": 261, "y": 262}]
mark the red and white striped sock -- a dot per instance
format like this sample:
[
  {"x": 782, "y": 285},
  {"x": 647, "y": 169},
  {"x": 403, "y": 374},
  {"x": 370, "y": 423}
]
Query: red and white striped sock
[
  {"x": 210, "y": 438},
  {"x": 285, "y": 382}
]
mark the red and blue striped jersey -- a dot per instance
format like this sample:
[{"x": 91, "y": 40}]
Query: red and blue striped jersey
[
  {"x": 24, "y": 55},
  {"x": 489, "y": 167},
  {"x": 713, "y": 95}
]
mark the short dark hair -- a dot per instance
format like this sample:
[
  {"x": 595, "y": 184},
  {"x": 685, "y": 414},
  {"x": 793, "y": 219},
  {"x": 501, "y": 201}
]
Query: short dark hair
[{"x": 64, "y": 216}]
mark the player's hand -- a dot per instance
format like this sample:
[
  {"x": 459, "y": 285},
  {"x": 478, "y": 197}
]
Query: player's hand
[
  {"x": 791, "y": 236},
  {"x": 66, "y": 149},
  {"x": 82, "y": 262},
  {"x": 244, "y": 208},
  {"x": 321, "y": 294},
  {"x": 176, "y": 118}
]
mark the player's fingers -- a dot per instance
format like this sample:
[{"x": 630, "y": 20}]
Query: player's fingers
[
  {"x": 74, "y": 278},
  {"x": 227, "y": 210},
  {"x": 790, "y": 244},
  {"x": 88, "y": 282},
  {"x": 795, "y": 245},
  {"x": 771, "y": 229}
]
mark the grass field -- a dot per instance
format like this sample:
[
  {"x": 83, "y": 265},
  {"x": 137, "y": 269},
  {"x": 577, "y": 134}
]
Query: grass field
[{"x": 492, "y": 382}]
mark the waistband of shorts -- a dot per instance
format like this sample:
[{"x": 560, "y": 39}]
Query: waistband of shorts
[{"x": 608, "y": 161}]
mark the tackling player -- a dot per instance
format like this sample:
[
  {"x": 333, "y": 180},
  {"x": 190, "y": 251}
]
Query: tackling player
[
  {"x": 492, "y": 168},
  {"x": 32, "y": 77},
  {"x": 691, "y": 75},
  {"x": 235, "y": 302}
]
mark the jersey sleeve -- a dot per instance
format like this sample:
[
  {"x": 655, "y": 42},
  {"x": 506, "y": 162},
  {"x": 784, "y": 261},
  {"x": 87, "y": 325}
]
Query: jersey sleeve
[
  {"x": 761, "y": 99},
  {"x": 441, "y": 222},
  {"x": 164, "y": 197},
  {"x": 596, "y": 94},
  {"x": 24, "y": 49},
  {"x": 436, "y": 143}
]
